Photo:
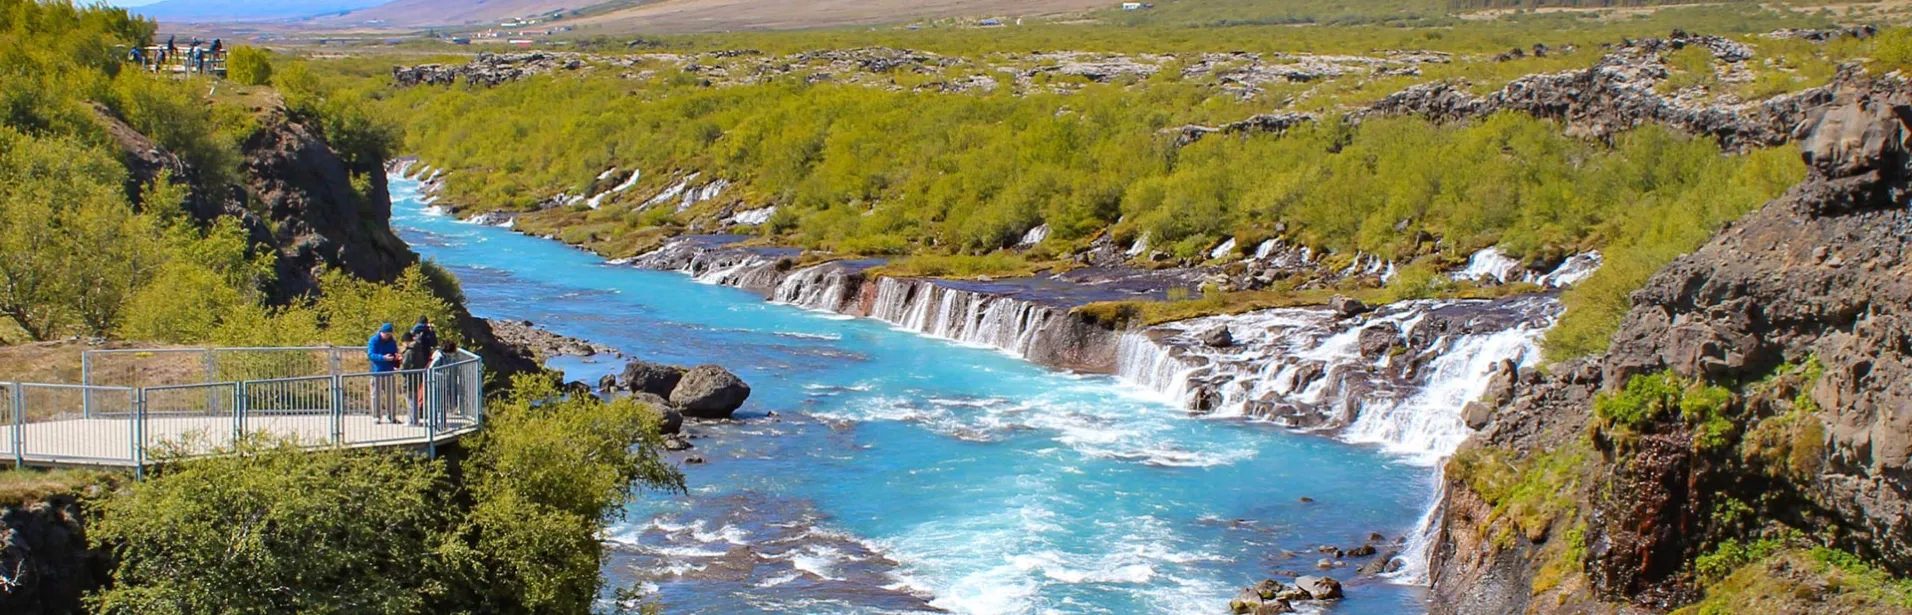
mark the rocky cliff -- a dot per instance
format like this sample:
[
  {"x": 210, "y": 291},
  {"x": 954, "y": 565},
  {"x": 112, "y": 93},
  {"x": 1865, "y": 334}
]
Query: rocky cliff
[
  {"x": 1751, "y": 405},
  {"x": 45, "y": 563},
  {"x": 300, "y": 199}
]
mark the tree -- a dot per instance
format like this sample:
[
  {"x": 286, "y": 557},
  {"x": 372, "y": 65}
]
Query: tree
[
  {"x": 249, "y": 66},
  {"x": 546, "y": 474}
]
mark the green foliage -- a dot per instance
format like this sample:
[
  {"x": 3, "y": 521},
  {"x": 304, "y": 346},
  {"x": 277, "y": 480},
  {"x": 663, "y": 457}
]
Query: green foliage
[
  {"x": 1531, "y": 492},
  {"x": 1892, "y": 50},
  {"x": 1418, "y": 282},
  {"x": 338, "y": 531},
  {"x": 71, "y": 248},
  {"x": 249, "y": 66},
  {"x": 1729, "y": 556},
  {"x": 272, "y": 529},
  {"x": 1721, "y": 190},
  {"x": 1649, "y": 398},
  {"x": 1801, "y": 580},
  {"x": 546, "y": 473}
]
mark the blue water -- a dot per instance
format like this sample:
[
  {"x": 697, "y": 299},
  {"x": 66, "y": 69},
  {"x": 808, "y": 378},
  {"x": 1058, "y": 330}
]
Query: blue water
[{"x": 878, "y": 471}]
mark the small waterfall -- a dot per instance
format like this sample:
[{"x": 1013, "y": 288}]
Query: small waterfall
[{"x": 1396, "y": 377}]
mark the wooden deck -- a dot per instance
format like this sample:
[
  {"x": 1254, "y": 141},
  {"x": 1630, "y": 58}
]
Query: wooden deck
[{"x": 107, "y": 441}]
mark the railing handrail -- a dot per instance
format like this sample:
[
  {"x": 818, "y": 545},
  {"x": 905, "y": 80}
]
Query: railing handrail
[{"x": 444, "y": 399}]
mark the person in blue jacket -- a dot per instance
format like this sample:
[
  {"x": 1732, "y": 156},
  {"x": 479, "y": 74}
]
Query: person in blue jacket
[{"x": 382, "y": 351}]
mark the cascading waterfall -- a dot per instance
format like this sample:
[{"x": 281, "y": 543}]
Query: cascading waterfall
[{"x": 1396, "y": 378}]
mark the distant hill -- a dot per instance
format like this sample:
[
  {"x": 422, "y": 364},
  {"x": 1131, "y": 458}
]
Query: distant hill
[
  {"x": 701, "y": 15},
  {"x": 248, "y": 10},
  {"x": 460, "y": 12}
]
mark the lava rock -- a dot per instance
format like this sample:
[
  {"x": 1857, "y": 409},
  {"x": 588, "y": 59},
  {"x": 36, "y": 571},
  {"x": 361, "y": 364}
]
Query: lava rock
[
  {"x": 1378, "y": 340},
  {"x": 1380, "y": 565},
  {"x": 1217, "y": 337},
  {"x": 676, "y": 443},
  {"x": 608, "y": 383},
  {"x": 654, "y": 378},
  {"x": 710, "y": 391},
  {"x": 1360, "y": 551},
  {"x": 1320, "y": 588},
  {"x": 1476, "y": 415},
  {"x": 1347, "y": 307}
]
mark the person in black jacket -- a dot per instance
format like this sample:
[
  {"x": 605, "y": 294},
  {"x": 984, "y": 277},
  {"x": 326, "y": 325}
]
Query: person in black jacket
[{"x": 417, "y": 356}]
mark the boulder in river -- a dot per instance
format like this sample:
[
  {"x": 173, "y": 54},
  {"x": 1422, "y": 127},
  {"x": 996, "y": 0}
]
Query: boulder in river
[
  {"x": 654, "y": 378},
  {"x": 1383, "y": 564},
  {"x": 1320, "y": 588},
  {"x": 710, "y": 391},
  {"x": 1378, "y": 340},
  {"x": 1476, "y": 414},
  {"x": 1347, "y": 307},
  {"x": 1217, "y": 337}
]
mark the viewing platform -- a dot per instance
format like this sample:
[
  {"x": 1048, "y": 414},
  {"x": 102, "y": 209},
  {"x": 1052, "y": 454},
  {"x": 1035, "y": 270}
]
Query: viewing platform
[{"x": 133, "y": 407}]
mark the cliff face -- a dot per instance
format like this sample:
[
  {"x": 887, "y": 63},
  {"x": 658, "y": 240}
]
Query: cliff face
[
  {"x": 320, "y": 219},
  {"x": 1801, "y": 314},
  {"x": 311, "y": 213}
]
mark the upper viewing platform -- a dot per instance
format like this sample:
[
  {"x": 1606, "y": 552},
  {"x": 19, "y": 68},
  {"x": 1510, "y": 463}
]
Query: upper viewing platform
[
  {"x": 195, "y": 58},
  {"x": 134, "y": 406}
]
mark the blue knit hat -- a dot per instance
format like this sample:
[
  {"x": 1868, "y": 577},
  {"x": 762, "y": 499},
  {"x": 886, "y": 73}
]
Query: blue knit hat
[{"x": 387, "y": 328}]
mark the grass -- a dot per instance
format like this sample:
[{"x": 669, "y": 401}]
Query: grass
[
  {"x": 1531, "y": 492},
  {"x": 994, "y": 264},
  {"x": 23, "y": 487},
  {"x": 1800, "y": 580}
]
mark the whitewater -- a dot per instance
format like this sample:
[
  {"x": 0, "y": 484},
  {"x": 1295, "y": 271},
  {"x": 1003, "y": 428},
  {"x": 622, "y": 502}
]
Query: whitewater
[{"x": 880, "y": 470}]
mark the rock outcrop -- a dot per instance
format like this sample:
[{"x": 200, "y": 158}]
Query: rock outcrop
[
  {"x": 1804, "y": 310},
  {"x": 487, "y": 69},
  {"x": 546, "y": 344},
  {"x": 45, "y": 562}
]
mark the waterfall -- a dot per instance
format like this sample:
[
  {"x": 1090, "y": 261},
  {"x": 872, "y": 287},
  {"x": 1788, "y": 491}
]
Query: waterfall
[{"x": 1396, "y": 378}]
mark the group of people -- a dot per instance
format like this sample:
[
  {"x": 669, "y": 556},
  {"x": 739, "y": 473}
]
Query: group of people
[
  {"x": 407, "y": 358},
  {"x": 198, "y": 58}
]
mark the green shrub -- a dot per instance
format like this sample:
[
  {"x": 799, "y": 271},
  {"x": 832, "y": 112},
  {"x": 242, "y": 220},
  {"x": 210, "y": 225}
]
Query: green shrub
[
  {"x": 273, "y": 529},
  {"x": 249, "y": 66},
  {"x": 546, "y": 474},
  {"x": 1729, "y": 556}
]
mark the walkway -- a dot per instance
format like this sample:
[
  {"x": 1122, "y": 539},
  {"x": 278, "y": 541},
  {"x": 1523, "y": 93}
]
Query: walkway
[{"x": 134, "y": 407}]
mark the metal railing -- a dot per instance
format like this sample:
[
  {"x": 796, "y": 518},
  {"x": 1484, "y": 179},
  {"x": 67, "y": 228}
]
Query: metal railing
[{"x": 200, "y": 400}]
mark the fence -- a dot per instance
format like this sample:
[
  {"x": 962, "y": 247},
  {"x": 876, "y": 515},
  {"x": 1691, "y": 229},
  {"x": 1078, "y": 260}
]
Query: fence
[{"x": 135, "y": 405}]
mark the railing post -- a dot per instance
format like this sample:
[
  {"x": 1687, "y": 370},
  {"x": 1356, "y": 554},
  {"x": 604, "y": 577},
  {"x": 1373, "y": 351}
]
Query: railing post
[
  {"x": 238, "y": 412},
  {"x": 338, "y": 407},
  {"x": 138, "y": 432},
  {"x": 19, "y": 426},
  {"x": 212, "y": 375},
  {"x": 86, "y": 379},
  {"x": 431, "y": 413}
]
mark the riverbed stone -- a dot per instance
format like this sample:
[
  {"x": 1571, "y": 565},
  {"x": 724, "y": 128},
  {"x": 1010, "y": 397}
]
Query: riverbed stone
[
  {"x": 1320, "y": 588},
  {"x": 1378, "y": 340},
  {"x": 1476, "y": 414},
  {"x": 710, "y": 391},
  {"x": 654, "y": 378},
  {"x": 1347, "y": 307},
  {"x": 1217, "y": 337}
]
